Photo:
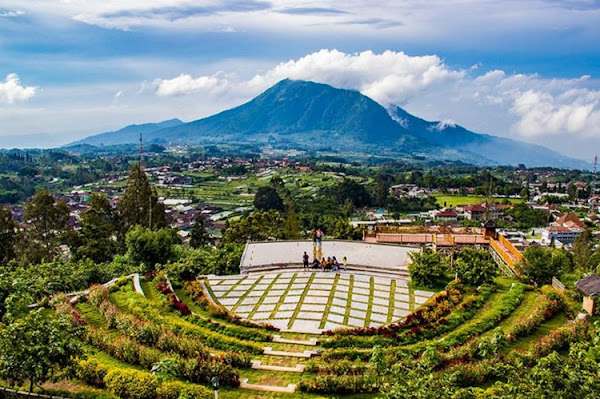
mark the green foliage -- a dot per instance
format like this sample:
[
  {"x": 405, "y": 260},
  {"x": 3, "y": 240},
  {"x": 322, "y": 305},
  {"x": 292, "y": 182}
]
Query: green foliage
[
  {"x": 349, "y": 190},
  {"x": 539, "y": 265},
  {"x": 48, "y": 220},
  {"x": 139, "y": 205},
  {"x": 150, "y": 247},
  {"x": 179, "y": 390},
  {"x": 527, "y": 217},
  {"x": 475, "y": 267},
  {"x": 267, "y": 198},
  {"x": 33, "y": 348},
  {"x": 257, "y": 226},
  {"x": 199, "y": 237},
  {"x": 428, "y": 268},
  {"x": 131, "y": 384},
  {"x": 98, "y": 226},
  {"x": 8, "y": 235},
  {"x": 582, "y": 252}
]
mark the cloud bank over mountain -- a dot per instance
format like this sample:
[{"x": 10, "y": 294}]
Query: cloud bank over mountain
[{"x": 535, "y": 105}]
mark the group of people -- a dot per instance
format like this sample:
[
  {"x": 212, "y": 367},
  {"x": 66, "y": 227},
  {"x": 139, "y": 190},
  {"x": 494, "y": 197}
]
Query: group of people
[{"x": 329, "y": 264}]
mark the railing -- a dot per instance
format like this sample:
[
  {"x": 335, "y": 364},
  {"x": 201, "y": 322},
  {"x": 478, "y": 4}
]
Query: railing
[
  {"x": 558, "y": 285},
  {"x": 28, "y": 394},
  {"x": 504, "y": 258},
  {"x": 509, "y": 245}
]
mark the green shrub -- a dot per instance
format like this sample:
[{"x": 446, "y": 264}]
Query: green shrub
[
  {"x": 98, "y": 294},
  {"x": 180, "y": 390},
  {"x": 90, "y": 372},
  {"x": 131, "y": 384}
]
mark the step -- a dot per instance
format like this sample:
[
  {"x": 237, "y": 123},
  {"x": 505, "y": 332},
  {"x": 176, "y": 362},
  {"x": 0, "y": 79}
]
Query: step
[
  {"x": 310, "y": 342},
  {"x": 351, "y": 269},
  {"x": 257, "y": 365},
  {"x": 291, "y": 388},
  {"x": 306, "y": 354}
]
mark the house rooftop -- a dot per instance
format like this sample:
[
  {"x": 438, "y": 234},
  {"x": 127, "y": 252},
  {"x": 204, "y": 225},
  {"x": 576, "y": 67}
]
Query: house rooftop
[{"x": 589, "y": 285}]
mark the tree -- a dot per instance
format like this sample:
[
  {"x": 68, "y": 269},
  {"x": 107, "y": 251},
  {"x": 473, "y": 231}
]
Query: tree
[
  {"x": 98, "y": 227},
  {"x": 140, "y": 205},
  {"x": 572, "y": 191},
  {"x": 427, "y": 268},
  {"x": 349, "y": 190},
  {"x": 527, "y": 217},
  {"x": 199, "y": 237},
  {"x": 582, "y": 251},
  {"x": 539, "y": 265},
  {"x": 150, "y": 247},
  {"x": 8, "y": 235},
  {"x": 267, "y": 198},
  {"x": 382, "y": 189},
  {"x": 291, "y": 228},
  {"x": 257, "y": 226},
  {"x": 48, "y": 220},
  {"x": 475, "y": 267},
  {"x": 33, "y": 348}
]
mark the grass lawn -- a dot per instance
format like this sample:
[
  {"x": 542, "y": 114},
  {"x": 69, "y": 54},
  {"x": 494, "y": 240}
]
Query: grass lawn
[
  {"x": 525, "y": 343},
  {"x": 455, "y": 200}
]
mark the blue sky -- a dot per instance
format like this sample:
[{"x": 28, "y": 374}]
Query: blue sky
[{"x": 521, "y": 69}]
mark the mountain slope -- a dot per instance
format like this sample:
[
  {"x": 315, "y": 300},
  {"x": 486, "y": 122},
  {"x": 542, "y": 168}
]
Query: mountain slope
[
  {"x": 311, "y": 115},
  {"x": 498, "y": 150},
  {"x": 127, "y": 135},
  {"x": 299, "y": 110}
]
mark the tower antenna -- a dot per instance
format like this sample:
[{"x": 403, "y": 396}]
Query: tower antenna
[
  {"x": 594, "y": 175},
  {"x": 141, "y": 152}
]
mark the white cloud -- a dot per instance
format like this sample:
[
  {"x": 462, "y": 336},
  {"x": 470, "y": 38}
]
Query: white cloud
[
  {"x": 525, "y": 106},
  {"x": 11, "y": 13},
  {"x": 571, "y": 112},
  {"x": 11, "y": 90},
  {"x": 389, "y": 77},
  {"x": 186, "y": 84}
]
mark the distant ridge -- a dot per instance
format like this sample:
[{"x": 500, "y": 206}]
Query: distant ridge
[
  {"x": 312, "y": 115},
  {"x": 127, "y": 135}
]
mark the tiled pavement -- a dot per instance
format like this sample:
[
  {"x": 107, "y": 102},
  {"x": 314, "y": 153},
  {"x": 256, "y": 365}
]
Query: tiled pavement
[{"x": 316, "y": 301}]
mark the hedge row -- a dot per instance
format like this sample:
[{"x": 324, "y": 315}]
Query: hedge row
[
  {"x": 340, "y": 384},
  {"x": 431, "y": 311},
  {"x": 148, "y": 332},
  {"x": 162, "y": 285},
  {"x": 133, "y": 384},
  {"x": 193, "y": 369}
]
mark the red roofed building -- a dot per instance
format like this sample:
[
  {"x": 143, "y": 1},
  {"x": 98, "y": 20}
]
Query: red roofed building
[
  {"x": 446, "y": 216},
  {"x": 474, "y": 212}
]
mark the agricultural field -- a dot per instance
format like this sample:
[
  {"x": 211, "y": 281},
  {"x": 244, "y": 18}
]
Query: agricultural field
[{"x": 456, "y": 200}]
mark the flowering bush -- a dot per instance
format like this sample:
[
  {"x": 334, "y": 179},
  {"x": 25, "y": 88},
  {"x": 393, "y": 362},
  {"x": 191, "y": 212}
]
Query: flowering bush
[
  {"x": 342, "y": 384},
  {"x": 98, "y": 294},
  {"x": 436, "y": 307}
]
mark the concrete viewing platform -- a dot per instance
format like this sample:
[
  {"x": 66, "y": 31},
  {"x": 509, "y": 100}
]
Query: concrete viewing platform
[{"x": 376, "y": 259}]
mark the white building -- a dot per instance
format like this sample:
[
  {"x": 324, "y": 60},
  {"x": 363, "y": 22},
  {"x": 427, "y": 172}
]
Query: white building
[{"x": 565, "y": 235}]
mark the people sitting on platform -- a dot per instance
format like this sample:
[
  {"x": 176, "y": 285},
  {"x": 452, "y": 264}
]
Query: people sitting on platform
[
  {"x": 335, "y": 265},
  {"x": 328, "y": 264},
  {"x": 315, "y": 264}
]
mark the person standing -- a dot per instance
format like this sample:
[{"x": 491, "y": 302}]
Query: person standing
[
  {"x": 305, "y": 260},
  {"x": 345, "y": 262}
]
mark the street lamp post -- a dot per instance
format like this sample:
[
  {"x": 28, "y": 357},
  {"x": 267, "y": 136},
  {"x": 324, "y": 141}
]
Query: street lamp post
[{"x": 215, "y": 383}]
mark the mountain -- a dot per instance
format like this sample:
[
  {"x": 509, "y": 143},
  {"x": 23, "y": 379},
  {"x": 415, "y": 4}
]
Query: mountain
[
  {"x": 127, "y": 135},
  {"x": 310, "y": 115}
]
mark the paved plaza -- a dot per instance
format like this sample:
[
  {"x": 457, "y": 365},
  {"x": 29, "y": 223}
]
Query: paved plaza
[{"x": 312, "y": 302}]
